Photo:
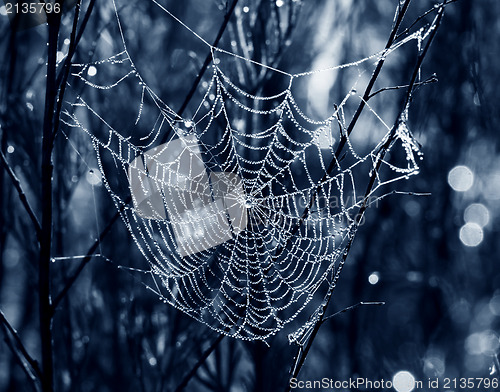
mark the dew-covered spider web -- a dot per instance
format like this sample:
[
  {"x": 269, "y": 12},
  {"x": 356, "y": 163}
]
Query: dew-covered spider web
[{"x": 244, "y": 207}]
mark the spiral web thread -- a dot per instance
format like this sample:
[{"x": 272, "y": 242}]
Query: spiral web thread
[{"x": 240, "y": 227}]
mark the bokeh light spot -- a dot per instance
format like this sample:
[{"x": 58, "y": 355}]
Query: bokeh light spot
[
  {"x": 461, "y": 178},
  {"x": 477, "y": 213},
  {"x": 471, "y": 234},
  {"x": 485, "y": 342},
  {"x": 403, "y": 381},
  {"x": 374, "y": 278}
]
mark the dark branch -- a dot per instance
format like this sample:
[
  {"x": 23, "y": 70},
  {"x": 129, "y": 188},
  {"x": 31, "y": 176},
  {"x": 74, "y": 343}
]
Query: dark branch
[
  {"x": 22, "y": 196},
  {"x": 352, "y": 307},
  {"x": 432, "y": 79},
  {"x": 72, "y": 50},
  {"x": 302, "y": 352},
  {"x": 344, "y": 135},
  {"x": 83, "y": 263},
  {"x": 205, "y": 65},
  {"x": 65, "y": 71},
  {"x": 200, "y": 361},
  {"x": 18, "y": 349}
]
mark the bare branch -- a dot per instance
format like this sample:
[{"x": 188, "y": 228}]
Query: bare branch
[
  {"x": 71, "y": 50},
  {"x": 83, "y": 263},
  {"x": 22, "y": 195},
  {"x": 205, "y": 65},
  {"x": 350, "y": 128},
  {"x": 44, "y": 294},
  {"x": 29, "y": 365},
  {"x": 65, "y": 71},
  {"x": 432, "y": 79},
  {"x": 352, "y": 307},
  {"x": 197, "y": 365},
  {"x": 437, "y": 7},
  {"x": 302, "y": 352}
]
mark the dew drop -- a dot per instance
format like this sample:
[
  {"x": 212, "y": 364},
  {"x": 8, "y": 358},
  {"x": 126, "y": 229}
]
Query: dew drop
[{"x": 92, "y": 71}]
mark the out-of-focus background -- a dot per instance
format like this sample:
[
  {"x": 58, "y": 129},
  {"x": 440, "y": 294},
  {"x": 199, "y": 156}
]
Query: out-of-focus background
[{"x": 432, "y": 259}]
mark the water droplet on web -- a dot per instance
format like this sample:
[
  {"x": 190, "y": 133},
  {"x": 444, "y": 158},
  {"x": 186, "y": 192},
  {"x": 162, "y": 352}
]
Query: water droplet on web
[
  {"x": 249, "y": 202},
  {"x": 92, "y": 71},
  {"x": 94, "y": 177}
]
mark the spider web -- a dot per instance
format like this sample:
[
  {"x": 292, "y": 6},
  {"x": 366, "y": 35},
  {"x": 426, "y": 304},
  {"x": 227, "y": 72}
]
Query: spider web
[{"x": 243, "y": 209}]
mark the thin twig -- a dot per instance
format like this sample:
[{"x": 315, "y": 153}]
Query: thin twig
[
  {"x": 405, "y": 31},
  {"x": 432, "y": 79},
  {"x": 345, "y": 135},
  {"x": 205, "y": 65},
  {"x": 200, "y": 361},
  {"x": 352, "y": 307},
  {"x": 71, "y": 51},
  {"x": 35, "y": 383},
  {"x": 65, "y": 71},
  {"x": 83, "y": 263},
  {"x": 21, "y": 351},
  {"x": 22, "y": 195}
]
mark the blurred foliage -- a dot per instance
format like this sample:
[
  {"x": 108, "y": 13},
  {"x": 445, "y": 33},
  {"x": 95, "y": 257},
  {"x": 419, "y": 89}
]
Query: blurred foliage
[{"x": 442, "y": 312}]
